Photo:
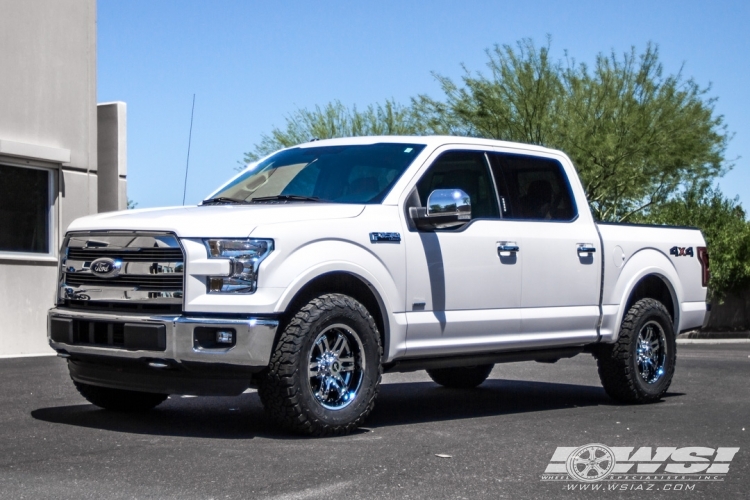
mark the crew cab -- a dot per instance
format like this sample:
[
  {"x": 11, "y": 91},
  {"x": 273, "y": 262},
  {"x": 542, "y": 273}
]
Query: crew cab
[{"x": 322, "y": 266}]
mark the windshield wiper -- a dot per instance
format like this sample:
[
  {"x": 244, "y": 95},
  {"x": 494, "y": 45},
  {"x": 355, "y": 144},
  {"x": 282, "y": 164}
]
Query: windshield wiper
[
  {"x": 223, "y": 199},
  {"x": 285, "y": 197}
]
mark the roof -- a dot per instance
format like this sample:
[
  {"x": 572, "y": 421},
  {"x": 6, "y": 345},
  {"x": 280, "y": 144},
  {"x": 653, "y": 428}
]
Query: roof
[{"x": 428, "y": 140}]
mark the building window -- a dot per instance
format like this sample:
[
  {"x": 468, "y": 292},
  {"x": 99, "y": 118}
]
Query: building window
[{"x": 25, "y": 222}]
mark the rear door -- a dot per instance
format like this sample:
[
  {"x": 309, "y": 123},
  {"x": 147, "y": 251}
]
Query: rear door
[{"x": 559, "y": 247}]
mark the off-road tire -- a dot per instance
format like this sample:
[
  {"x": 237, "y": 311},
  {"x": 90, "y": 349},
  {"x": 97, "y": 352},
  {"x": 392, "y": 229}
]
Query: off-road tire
[
  {"x": 118, "y": 399},
  {"x": 464, "y": 377},
  {"x": 618, "y": 363},
  {"x": 285, "y": 389}
]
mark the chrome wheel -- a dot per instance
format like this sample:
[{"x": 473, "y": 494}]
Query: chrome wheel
[
  {"x": 651, "y": 352},
  {"x": 639, "y": 366},
  {"x": 336, "y": 366}
]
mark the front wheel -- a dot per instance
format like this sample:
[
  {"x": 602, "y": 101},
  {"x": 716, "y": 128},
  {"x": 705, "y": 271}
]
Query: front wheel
[
  {"x": 119, "y": 399},
  {"x": 638, "y": 368},
  {"x": 325, "y": 370}
]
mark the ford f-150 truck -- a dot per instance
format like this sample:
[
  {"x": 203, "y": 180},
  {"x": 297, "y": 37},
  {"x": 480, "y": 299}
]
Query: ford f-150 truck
[{"x": 322, "y": 266}]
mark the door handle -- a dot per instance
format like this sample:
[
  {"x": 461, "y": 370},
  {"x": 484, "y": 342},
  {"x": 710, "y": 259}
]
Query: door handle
[
  {"x": 586, "y": 248},
  {"x": 508, "y": 246}
]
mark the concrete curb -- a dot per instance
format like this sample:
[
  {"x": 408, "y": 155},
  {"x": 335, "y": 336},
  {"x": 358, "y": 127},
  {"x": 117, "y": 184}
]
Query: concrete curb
[
  {"x": 33, "y": 355},
  {"x": 702, "y": 334},
  {"x": 713, "y": 341}
]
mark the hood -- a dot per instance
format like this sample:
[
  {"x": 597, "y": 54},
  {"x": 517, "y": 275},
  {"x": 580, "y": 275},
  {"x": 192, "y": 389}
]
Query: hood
[{"x": 213, "y": 220}]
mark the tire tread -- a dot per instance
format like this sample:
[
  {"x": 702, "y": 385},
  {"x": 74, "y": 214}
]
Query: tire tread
[
  {"x": 279, "y": 389},
  {"x": 614, "y": 361}
]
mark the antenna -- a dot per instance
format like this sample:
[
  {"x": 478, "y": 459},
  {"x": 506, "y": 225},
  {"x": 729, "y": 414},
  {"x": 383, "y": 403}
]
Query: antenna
[{"x": 187, "y": 163}]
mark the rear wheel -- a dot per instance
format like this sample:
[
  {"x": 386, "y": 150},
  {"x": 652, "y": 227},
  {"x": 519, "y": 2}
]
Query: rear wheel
[
  {"x": 638, "y": 368},
  {"x": 119, "y": 399},
  {"x": 463, "y": 377},
  {"x": 325, "y": 370}
]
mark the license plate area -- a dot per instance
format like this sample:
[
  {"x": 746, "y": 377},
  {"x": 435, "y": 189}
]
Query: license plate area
[{"x": 111, "y": 334}]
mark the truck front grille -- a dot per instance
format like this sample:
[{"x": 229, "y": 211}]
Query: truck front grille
[
  {"x": 142, "y": 282},
  {"x": 122, "y": 272},
  {"x": 135, "y": 255},
  {"x": 136, "y": 307}
]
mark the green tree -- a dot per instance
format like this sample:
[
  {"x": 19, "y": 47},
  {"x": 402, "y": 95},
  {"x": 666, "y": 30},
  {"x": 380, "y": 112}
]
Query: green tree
[
  {"x": 646, "y": 145},
  {"x": 634, "y": 134},
  {"x": 337, "y": 120},
  {"x": 724, "y": 226}
]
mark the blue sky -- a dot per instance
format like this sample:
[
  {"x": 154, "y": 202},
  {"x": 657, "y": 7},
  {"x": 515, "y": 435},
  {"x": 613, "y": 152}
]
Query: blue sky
[{"x": 251, "y": 63}]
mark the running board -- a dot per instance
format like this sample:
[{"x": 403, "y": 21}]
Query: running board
[{"x": 541, "y": 355}]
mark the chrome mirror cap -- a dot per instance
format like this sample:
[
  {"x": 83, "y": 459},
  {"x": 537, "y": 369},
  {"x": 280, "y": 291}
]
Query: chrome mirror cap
[
  {"x": 446, "y": 208},
  {"x": 449, "y": 202}
]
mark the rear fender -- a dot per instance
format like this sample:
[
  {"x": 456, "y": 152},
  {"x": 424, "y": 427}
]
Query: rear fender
[{"x": 643, "y": 263}]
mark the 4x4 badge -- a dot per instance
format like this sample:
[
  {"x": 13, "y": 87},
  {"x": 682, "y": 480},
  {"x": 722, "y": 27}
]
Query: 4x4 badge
[{"x": 681, "y": 251}]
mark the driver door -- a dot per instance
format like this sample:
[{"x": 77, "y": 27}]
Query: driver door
[{"x": 463, "y": 293}]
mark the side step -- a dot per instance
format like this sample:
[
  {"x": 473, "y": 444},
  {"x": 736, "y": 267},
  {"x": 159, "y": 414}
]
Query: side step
[{"x": 541, "y": 355}]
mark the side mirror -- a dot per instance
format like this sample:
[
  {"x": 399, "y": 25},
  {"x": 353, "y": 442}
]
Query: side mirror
[{"x": 446, "y": 208}]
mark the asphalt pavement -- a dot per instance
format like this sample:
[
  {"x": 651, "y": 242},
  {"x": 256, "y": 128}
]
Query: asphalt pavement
[{"x": 422, "y": 441}]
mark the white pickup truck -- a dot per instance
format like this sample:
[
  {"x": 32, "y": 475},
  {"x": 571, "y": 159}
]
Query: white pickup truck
[{"x": 321, "y": 267}]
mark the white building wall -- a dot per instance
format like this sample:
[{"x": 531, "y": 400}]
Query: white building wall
[
  {"x": 48, "y": 119},
  {"x": 48, "y": 84},
  {"x": 24, "y": 306},
  {"x": 113, "y": 156}
]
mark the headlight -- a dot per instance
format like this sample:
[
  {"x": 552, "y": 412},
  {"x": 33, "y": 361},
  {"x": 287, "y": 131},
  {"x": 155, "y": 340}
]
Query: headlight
[{"x": 244, "y": 257}]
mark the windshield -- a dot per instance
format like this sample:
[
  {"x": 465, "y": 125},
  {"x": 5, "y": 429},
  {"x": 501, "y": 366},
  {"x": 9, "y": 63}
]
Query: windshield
[{"x": 341, "y": 174}]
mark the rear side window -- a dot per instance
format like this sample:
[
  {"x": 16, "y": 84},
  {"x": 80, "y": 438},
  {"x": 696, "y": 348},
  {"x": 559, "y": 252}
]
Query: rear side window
[{"x": 532, "y": 188}]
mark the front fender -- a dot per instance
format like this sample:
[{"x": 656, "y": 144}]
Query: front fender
[
  {"x": 330, "y": 266},
  {"x": 383, "y": 272}
]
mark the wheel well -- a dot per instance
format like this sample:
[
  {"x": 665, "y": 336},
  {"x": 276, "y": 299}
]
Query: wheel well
[
  {"x": 347, "y": 284},
  {"x": 652, "y": 287}
]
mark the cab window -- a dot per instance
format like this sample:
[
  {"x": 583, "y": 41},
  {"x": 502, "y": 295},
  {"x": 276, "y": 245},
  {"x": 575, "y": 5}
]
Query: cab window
[
  {"x": 465, "y": 170},
  {"x": 532, "y": 188}
]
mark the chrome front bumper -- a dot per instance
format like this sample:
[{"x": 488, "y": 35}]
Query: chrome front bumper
[{"x": 180, "y": 360}]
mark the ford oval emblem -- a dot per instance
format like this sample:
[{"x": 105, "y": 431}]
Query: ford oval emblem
[{"x": 105, "y": 267}]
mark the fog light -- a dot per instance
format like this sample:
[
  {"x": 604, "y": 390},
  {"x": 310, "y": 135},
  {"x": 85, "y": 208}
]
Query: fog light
[
  {"x": 225, "y": 337},
  {"x": 211, "y": 337}
]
